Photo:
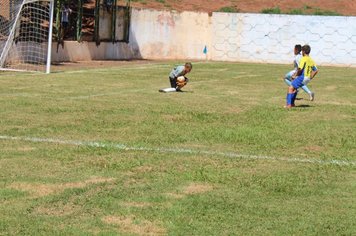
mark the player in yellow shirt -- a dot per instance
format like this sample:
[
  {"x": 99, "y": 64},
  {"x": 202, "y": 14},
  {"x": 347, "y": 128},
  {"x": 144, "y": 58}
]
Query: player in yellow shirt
[{"x": 306, "y": 72}]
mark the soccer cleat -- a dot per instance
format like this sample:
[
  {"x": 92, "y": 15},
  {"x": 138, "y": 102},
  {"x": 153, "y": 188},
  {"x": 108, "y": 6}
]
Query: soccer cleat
[{"x": 311, "y": 96}]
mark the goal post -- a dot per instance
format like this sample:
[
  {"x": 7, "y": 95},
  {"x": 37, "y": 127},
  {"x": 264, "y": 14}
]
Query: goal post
[{"x": 26, "y": 35}]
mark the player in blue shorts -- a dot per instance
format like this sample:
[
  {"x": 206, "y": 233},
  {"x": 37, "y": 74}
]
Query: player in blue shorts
[
  {"x": 177, "y": 78},
  {"x": 306, "y": 72},
  {"x": 288, "y": 77}
]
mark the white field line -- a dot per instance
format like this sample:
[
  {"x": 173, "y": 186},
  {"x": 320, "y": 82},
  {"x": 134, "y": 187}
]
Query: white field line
[{"x": 119, "y": 146}]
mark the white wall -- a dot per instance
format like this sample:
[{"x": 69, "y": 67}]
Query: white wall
[
  {"x": 271, "y": 38},
  {"x": 170, "y": 35},
  {"x": 228, "y": 36}
]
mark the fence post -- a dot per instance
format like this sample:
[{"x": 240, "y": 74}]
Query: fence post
[
  {"x": 97, "y": 21},
  {"x": 113, "y": 21},
  {"x": 79, "y": 20}
]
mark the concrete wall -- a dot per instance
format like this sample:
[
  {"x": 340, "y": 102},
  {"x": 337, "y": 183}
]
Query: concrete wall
[
  {"x": 170, "y": 35},
  {"x": 228, "y": 37},
  {"x": 271, "y": 38}
]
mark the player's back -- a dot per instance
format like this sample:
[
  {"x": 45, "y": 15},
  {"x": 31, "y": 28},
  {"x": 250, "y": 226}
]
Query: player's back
[
  {"x": 308, "y": 65},
  {"x": 177, "y": 71}
]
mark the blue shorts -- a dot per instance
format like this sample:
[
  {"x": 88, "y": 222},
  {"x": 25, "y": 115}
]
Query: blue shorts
[{"x": 298, "y": 82}]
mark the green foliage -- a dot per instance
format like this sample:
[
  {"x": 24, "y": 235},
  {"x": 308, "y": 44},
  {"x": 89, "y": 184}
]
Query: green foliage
[
  {"x": 296, "y": 12},
  {"x": 274, "y": 10},
  {"x": 321, "y": 12},
  {"x": 230, "y": 9},
  {"x": 306, "y": 10}
]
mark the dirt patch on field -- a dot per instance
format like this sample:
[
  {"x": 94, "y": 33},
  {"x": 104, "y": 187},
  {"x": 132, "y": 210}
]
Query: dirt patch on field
[
  {"x": 344, "y": 7},
  {"x": 41, "y": 190},
  {"x": 142, "y": 169},
  {"x": 314, "y": 148},
  {"x": 196, "y": 188},
  {"x": 191, "y": 189},
  {"x": 137, "y": 204},
  {"x": 57, "y": 210},
  {"x": 175, "y": 195},
  {"x": 131, "y": 225}
]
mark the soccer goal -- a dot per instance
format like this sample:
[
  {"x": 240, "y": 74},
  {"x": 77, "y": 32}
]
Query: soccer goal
[{"x": 26, "y": 35}]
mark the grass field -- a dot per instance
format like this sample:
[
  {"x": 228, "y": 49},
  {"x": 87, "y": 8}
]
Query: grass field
[{"x": 101, "y": 152}]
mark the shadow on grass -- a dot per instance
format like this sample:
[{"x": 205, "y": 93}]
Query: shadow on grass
[{"x": 304, "y": 106}]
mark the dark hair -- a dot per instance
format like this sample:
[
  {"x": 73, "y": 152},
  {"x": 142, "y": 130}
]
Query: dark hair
[
  {"x": 298, "y": 47},
  {"x": 188, "y": 64},
  {"x": 306, "y": 49}
]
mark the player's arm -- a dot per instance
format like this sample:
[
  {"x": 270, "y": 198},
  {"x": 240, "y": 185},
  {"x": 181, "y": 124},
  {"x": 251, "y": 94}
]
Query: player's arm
[
  {"x": 314, "y": 72},
  {"x": 300, "y": 70}
]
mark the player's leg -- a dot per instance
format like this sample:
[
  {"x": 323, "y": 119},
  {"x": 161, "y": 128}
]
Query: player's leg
[
  {"x": 288, "y": 77},
  {"x": 297, "y": 83},
  {"x": 289, "y": 99},
  {"x": 310, "y": 93},
  {"x": 292, "y": 91},
  {"x": 173, "y": 83},
  {"x": 306, "y": 89}
]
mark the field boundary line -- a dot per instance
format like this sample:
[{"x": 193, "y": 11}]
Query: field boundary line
[{"x": 124, "y": 147}]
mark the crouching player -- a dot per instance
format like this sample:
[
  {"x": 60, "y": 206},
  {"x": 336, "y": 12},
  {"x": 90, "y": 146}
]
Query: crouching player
[
  {"x": 177, "y": 78},
  {"x": 306, "y": 72},
  {"x": 288, "y": 77}
]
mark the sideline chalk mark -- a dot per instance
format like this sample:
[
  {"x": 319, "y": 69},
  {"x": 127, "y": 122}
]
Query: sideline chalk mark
[{"x": 177, "y": 150}]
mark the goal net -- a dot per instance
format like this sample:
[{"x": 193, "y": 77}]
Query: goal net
[{"x": 26, "y": 35}]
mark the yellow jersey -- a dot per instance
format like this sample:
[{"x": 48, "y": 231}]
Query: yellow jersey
[{"x": 307, "y": 65}]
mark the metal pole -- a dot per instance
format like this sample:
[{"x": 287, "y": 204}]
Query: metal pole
[
  {"x": 113, "y": 21},
  {"x": 96, "y": 22},
  {"x": 49, "y": 50},
  {"x": 79, "y": 20}
]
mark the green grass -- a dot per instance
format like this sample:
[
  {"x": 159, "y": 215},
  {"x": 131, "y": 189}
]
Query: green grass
[
  {"x": 229, "y": 9},
  {"x": 273, "y": 10},
  {"x": 306, "y": 10},
  {"x": 53, "y": 188}
]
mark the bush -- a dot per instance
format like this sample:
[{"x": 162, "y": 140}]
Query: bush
[
  {"x": 228, "y": 9},
  {"x": 320, "y": 12},
  {"x": 275, "y": 10}
]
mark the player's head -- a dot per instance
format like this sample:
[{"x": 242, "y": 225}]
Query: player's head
[
  {"x": 188, "y": 67},
  {"x": 306, "y": 49},
  {"x": 297, "y": 49}
]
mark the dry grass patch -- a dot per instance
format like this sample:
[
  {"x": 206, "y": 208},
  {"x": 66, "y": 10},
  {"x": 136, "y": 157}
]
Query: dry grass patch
[
  {"x": 142, "y": 169},
  {"x": 137, "y": 204},
  {"x": 175, "y": 195},
  {"x": 41, "y": 190},
  {"x": 196, "y": 188},
  {"x": 130, "y": 224},
  {"x": 191, "y": 189},
  {"x": 314, "y": 148},
  {"x": 57, "y": 210}
]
